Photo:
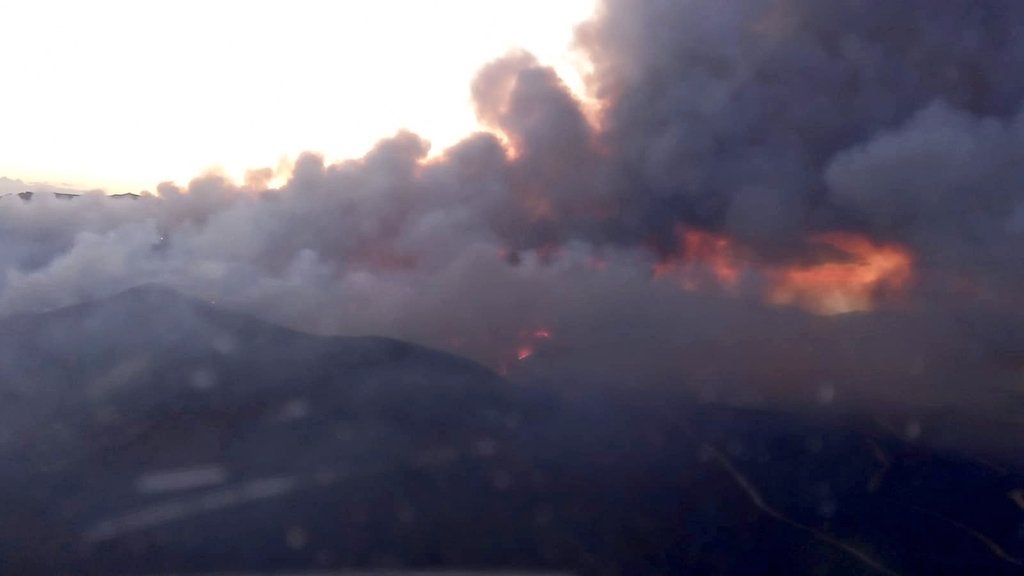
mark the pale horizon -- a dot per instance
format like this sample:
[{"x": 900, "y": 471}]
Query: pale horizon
[{"x": 122, "y": 96}]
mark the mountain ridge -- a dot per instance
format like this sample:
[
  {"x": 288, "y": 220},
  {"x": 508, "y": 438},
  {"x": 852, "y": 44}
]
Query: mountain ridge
[{"x": 154, "y": 432}]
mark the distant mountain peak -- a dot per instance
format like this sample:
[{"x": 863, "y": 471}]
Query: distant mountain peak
[{"x": 28, "y": 195}]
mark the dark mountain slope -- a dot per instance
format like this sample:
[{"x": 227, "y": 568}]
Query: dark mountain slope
[{"x": 151, "y": 433}]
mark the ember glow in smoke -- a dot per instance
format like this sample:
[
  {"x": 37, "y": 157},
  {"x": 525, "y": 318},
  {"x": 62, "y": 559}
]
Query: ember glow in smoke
[
  {"x": 853, "y": 273},
  {"x": 706, "y": 261},
  {"x": 862, "y": 275},
  {"x": 529, "y": 343}
]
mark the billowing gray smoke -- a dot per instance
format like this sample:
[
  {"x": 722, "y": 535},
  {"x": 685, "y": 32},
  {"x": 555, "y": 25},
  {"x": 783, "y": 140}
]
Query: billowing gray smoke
[
  {"x": 767, "y": 122},
  {"x": 773, "y": 118}
]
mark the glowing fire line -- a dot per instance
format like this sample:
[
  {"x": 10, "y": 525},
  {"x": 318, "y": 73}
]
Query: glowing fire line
[{"x": 863, "y": 274}]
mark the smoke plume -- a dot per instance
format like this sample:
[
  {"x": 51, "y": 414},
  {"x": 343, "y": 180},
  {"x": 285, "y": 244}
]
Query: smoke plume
[{"x": 771, "y": 200}]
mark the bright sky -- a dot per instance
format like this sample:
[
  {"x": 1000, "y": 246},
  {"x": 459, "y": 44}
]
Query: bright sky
[{"x": 124, "y": 94}]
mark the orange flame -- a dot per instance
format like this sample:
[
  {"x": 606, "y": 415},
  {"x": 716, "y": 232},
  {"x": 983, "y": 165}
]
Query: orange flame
[
  {"x": 708, "y": 260},
  {"x": 717, "y": 252},
  {"x": 861, "y": 274},
  {"x": 869, "y": 272},
  {"x": 529, "y": 342}
]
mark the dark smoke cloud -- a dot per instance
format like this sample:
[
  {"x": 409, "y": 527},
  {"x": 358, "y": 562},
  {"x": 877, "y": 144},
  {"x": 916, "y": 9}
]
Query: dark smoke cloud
[
  {"x": 948, "y": 183},
  {"x": 767, "y": 121},
  {"x": 727, "y": 114}
]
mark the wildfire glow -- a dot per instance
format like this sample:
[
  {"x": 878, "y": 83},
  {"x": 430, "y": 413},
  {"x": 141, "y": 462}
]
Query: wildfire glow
[
  {"x": 528, "y": 342},
  {"x": 538, "y": 206},
  {"x": 708, "y": 260},
  {"x": 869, "y": 272},
  {"x": 856, "y": 276}
]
